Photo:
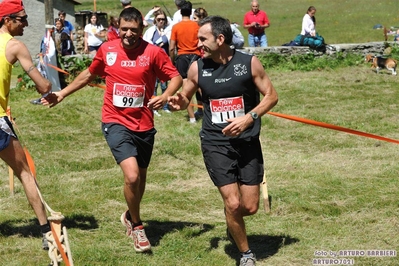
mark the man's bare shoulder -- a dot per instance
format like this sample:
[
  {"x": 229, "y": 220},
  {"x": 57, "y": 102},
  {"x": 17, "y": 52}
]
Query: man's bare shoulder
[{"x": 14, "y": 49}]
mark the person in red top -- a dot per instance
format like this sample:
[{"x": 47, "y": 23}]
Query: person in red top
[
  {"x": 184, "y": 39},
  {"x": 256, "y": 21},
  {"x": 113, "y": 29},
  {"x": 130, "y": 66}
]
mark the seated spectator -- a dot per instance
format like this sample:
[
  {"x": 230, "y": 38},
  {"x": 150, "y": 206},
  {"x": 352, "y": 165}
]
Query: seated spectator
[
  {"x": 238, "y": 38},
  {"x": 309, "y": 22},
  {"x": 396, "y": 37}
]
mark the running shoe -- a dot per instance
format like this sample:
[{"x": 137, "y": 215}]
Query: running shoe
[
  {"x": 140, "y": 240},
  {"x": 248, "y": 260}
]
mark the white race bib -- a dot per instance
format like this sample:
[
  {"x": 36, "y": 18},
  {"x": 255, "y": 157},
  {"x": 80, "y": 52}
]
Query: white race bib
[
  {"x": 128, "y": 96},
  {"x": 226, "y": 108}
]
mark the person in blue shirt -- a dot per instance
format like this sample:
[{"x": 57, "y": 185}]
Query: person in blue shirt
[{"x": 67, "y": 24}]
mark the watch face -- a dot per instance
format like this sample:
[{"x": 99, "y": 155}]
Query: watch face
[{"x": 254, "y": 115}]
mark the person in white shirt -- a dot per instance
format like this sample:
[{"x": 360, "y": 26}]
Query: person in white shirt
[
  {"x": 149, "y": 17},
  {"x": 309, "y": 22},
  {"x": 94, "y": 35},
  {"x": 177, "y": 17},
  {"x": 238, "y": 38}
]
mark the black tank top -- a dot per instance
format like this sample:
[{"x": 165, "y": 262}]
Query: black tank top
[{"x": 227, "y": 91}]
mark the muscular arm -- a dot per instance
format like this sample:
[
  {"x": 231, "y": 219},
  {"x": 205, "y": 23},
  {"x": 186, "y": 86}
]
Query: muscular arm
[
  {"x": 17, "y": 51},
  {"x": 264, "y": 86},
  {"x": 82, "y": 80},
  {"x": 270, "y": 99},
  {"x": 173, "y": 86}
]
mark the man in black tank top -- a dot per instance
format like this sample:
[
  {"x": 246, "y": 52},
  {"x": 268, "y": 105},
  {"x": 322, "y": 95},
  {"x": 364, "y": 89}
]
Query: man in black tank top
[{"x": 231, "y": 83}]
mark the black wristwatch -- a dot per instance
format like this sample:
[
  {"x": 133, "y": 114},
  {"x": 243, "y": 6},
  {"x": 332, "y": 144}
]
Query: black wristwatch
[{"x": 254, "y": 115}]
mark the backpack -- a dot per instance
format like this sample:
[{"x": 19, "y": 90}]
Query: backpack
[{"x": 314, "y": 42}]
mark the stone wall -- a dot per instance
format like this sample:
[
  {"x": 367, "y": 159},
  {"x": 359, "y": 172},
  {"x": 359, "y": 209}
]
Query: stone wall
[{"x": 375, "y": 48}]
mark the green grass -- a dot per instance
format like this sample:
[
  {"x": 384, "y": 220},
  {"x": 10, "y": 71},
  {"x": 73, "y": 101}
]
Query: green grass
[
  {"x": 338, "y": 21},
  {"x": 330, "y": 190}
]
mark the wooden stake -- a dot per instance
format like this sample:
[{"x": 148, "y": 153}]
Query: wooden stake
[
  {"x": 266, "y": 200},
  {"x": 11, "y": 180}
]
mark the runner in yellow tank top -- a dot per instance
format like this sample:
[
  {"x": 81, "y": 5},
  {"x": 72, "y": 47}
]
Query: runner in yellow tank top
[{"x": 13, "y": 20}]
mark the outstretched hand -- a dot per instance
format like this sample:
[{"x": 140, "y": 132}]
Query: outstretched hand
[
  {"x": 177, "y": 102},
  {"x": 52, "y": 99},
  {"x": 156, "y": 102}
]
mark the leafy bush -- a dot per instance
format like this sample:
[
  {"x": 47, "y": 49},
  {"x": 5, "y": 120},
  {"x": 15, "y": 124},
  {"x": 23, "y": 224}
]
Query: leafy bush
[
  {"x": 74, "y": 65},
  {"x": 308, "y": 62}
]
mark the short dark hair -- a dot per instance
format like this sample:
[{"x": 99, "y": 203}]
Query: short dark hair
[
  {"x": 179, "y": 3},
  {"x": 131, "y": 14},
  {"x": 186, "y": 9},
  {"x": 219, "y": 25},
  {"x": 62, "y": 12}
]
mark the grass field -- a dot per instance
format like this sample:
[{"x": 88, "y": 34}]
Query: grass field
[
  {"x": 331, "y": 191},
  {"x": 338, "y": 21}
]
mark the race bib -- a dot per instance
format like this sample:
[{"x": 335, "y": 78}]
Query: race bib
[
  {"x": 226, "y": 108},
  {"x": 128, "y": 96}
]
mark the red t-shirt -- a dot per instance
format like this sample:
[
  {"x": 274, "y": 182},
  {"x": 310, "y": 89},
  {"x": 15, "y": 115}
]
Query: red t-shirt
[
  {"x": 130, "y": 81},
  {"x": 260, "y": 17},
  {"x": 185, "y": 34}
]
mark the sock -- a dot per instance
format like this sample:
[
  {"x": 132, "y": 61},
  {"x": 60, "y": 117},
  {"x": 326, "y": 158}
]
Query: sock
[
  {"x": 45, "y": 228},
  {"x": 246, "y": 253},
  {"x": 192, "y": 120},
  {"x": 137, "y": 224}
]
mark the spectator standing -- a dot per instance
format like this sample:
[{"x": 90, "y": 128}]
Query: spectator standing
[
  {"x": 199, "y": 13},
  {"x": 130, "y": 66},
  {"x": 149, "y": 17},
  {"x": 177, "y": 17},
  {"x": 59, "y": 28},
  {"x": 159, "y": 34},
  {"x": 67, "y": 47},
  {"x": 67, "y": 24},
  {"x": 127, "y": 4},
  {"x": 231, "y": 124},
  {"x": 184, "y": 39},
  {"x": 309, "y": 22},
  {"x": 113, "y": 29},
  {"x": 13, "y": 20},
  {"x": 256, "y": 21},
  {"x": 94, "y": 34}
]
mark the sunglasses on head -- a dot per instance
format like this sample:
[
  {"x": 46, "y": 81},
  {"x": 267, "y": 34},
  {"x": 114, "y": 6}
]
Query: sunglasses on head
[{"x": 20, "y": 18}]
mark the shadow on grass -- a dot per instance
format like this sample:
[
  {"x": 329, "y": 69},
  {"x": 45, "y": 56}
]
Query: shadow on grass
[
  {"x": 31, "y": 228},
  {"x": 264, "y": 246},
  {"x": 155, "y": 230}
]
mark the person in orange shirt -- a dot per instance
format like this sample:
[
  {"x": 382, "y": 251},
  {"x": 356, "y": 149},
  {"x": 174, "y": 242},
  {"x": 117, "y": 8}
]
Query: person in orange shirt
[{"x": 183, "y": 43}]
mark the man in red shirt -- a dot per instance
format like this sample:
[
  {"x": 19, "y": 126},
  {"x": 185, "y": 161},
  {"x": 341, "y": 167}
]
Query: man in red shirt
[
  {"x": 256, "y": 21},
  {"x": 130, "y": 66},
  {"x": 184, "y": 39}
]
